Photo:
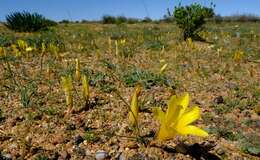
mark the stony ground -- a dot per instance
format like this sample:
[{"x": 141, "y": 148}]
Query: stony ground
[{"x": 222, "y": 77}]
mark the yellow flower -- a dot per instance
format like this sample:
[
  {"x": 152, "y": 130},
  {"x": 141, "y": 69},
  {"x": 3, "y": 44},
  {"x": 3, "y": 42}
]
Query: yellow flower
[
  {"x": 190, "y": 43},
  {"x": 22, "y": 45},
  {"x": 2, "y": 51},
  {"x": 43, "y": 47},
  {"x": 116, "y": 44},
  {"x": 178, "y": 118},
  {"x": 122, "y": 41},
  {"x": 77, "y": 72},
  {"x": 15, "y": 50},
  {"x": 54, "y": 50},
  {"x": 238, "y": 56},
  {"x": 85, "y": 87},
  {"x": 68, "y": 87},
  {"x": 163, "y": 68},
  {"x": 109, "y": 45},
  {"x": 28, "y": 49},
  {"x": 162, "y": 60},
  {"x": 133, "y": 113}
]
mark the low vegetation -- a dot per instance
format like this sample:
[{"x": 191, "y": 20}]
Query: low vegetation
[
  {"x": 123, "y": 91},
  {"x": 27, "y": 22}
]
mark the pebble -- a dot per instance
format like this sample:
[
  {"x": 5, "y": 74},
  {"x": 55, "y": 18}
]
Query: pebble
[
  {"x": 81, "y": 151},
  {"x": 28, "y": 139},
  {"x": 78, "y": 139},
  {"x": 209, "y": 144},
  {"x": 64, "y": 156},
  {"x": 58, "y": 139},
  {"x": 220, "y": 151},
  {"x": 181, "y": 148},
  {"x": 101, "y": 155},
  {"x": 7, "y": 157},
  {"x": 219, "y": 100},
  {"x": 120, "y": 156},
  {"x": 71, "y": 127},
  {"x": 231, "y": 85},
  {"x": 132, "y": 145}
]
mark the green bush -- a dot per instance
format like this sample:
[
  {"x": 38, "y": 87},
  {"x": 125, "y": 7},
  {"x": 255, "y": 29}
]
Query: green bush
[
  {"x": 147, "y": 20},
  {"x": 121, "y": 19},
  {"x": 108, "y": 19},
  {"x": 191, "y": 19},
  {"x": 27, "y": 22}
]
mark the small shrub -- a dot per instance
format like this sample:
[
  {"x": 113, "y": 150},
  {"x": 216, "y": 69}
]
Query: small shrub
[
  {"x": 91, "y": 137},
  {"x": 147, "y": 20},
  {"x": 132, "y": 20},
  {"x": 250, "y": 144},
  {"x": 27, "y": 22},
  {"x": 146, "y": 78},
  {"x": 191, "y": 19},
  {"x": 108, "y": 19},
  {"x": 121, "y": 19},
  {"x": 65, "y": 21}
]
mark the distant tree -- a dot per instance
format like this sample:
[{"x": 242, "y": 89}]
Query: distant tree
[
  {"x": 107, "y": 19},
  {"x": 147, "y": 20},
  {"x": 121, "y": 19},
  {"x": 64, "y": 21},
  {"x": 132, "y": 20},
  {"x": 218, "y": 18},
  {"x": 192, "y": 18}
]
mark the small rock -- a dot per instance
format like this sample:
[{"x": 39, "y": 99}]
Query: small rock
[
  {"x": 220, "y": 151},
  {"x": 19, "y": 118},
  {"x": 101, "y": 155},
  {"x": 28, "y": 139},
  {"x": 209, "y": 144},
  {"x": 7, "y": 157},
  {"x": 219, "y": 100},
  {"x": 71, "y": 127},
  {"x": 54, "y": 155},
  {"x": 58, "y": 139},
  {"x": 181, "y": 148},
  {"x": 64, "y": 156},
  {"x": 81, "y": 151},
  {"x": 132, "y": 145},
  {"x": 13, "y": 146},
  {"x": 91, "y": 82},
  {"x": 34, "y": 150},
  {"x": 231, "y": 86},
  {"x": 78, "y": 139}
]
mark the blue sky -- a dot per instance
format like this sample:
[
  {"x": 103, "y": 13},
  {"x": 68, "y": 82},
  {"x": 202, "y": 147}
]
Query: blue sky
[{"x": 95, "y": 9}]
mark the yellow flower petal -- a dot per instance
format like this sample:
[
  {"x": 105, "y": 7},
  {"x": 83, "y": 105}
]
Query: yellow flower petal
[
  {"x": 67, "y": 85},
  {"x": 188, "y": 117},
  {"x": 28, "y": 49},
  {"x": 159, "y": 114},
  {"x": 176, "y": 107},
  {"x": 163, "y": 68},
  {"x": 166, "y": 133},
  {"x": 193, "y": 130},
  {"x": 184, "y": 102},
  {"x": 85, "y": 87},
  {"x": 133, "y": 114},
  {"x": 77, "y": 68},
  {"x": 173, "y": 111}
]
